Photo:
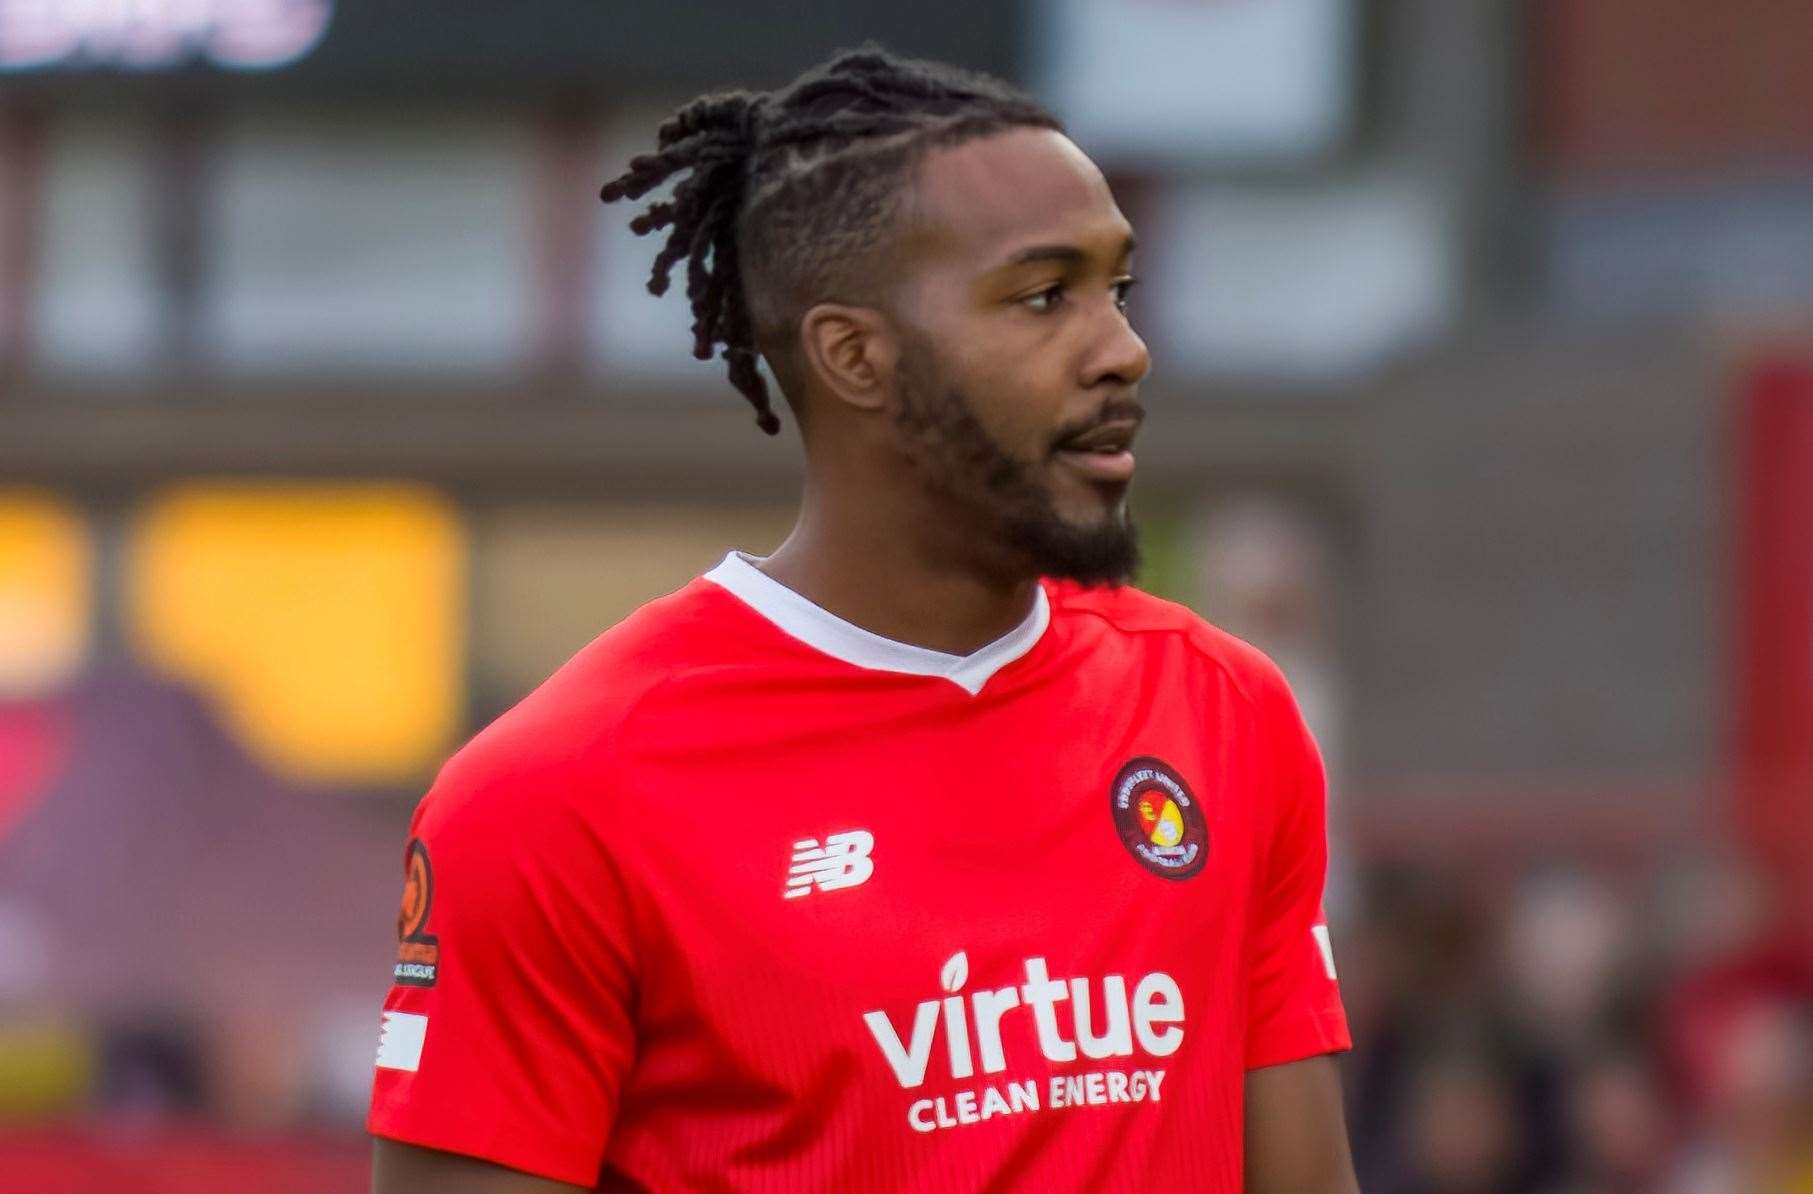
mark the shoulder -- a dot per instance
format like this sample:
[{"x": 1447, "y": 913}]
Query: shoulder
[
  {"x": 1135, "y": 614},
  {"x": 558, "y": 740}
]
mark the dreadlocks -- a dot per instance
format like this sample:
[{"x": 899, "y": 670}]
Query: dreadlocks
[{"x": 792, "y": 195}]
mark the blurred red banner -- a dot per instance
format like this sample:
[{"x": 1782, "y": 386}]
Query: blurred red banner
[
  {"x": 1774, "y": 641},
  {"x": 182, "y": 1162}
]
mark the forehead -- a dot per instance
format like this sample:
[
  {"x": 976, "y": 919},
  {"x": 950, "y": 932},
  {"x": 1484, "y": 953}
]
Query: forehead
[{"x": 976, "y": 203}]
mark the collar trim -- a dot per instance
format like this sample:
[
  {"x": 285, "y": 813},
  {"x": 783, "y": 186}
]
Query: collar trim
[{"x": 824, "y": 631}]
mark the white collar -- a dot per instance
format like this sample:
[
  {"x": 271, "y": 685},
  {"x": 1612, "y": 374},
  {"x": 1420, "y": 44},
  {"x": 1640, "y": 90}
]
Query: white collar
[{"x": 825, "y": 631}]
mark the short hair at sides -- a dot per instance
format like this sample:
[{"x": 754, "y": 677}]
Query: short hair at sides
[{"x": 792, "y": 197}]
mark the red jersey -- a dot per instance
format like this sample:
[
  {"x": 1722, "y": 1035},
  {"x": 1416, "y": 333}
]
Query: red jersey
[{"x": 748, "y": 898}]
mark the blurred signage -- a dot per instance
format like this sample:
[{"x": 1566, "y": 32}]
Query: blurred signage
[
  {"x": 45, "y": 35},
  {"x": 365, "y": 50},
  {"x": 1185, "y": 82},
  {"x": 378, "y": 49}
]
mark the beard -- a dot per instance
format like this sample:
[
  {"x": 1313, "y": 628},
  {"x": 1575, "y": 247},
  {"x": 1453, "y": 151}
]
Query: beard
[{"x": 960, "y": 460}]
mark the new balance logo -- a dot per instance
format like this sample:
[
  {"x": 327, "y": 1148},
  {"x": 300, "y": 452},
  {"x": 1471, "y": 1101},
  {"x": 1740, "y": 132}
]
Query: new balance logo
[{"x": 843, "y": 861}]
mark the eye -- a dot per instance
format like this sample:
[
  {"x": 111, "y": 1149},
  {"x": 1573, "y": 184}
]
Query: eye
[
  {"x": 1046, "y": 300},
  {"x": 1122, "y": 288}
]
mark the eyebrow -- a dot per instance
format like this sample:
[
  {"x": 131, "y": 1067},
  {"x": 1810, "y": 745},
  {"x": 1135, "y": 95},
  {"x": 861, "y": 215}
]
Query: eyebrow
[{"x": 1068, "y": 254}]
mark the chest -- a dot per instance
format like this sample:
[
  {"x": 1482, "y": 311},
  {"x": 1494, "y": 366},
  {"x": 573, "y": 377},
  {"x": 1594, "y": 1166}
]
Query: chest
[{"x": 1086, "y": 860}]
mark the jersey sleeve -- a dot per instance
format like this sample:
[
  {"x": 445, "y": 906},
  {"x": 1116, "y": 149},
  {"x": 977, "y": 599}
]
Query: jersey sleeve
[
  {"x": 1293, "y": 1001},
  {"x": 509, "y": 1026}
]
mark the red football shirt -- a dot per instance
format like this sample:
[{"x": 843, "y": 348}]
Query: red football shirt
[{"x": 748, "y": 898}]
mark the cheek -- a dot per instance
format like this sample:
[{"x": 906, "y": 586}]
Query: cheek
[
  {"x": 1014, "y": 409},
  {"x": 1018, "y": 428}
]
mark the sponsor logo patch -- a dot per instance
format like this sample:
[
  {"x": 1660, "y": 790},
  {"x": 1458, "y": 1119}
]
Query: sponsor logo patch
[
  {"x": 418, "y": 951},
  {"x": 1076, "y": 1022},
  {"x": 1158, "y": 819}
]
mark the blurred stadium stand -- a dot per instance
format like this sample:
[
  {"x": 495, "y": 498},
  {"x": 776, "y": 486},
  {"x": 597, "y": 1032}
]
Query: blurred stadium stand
[{"x": 333, "y": 415}]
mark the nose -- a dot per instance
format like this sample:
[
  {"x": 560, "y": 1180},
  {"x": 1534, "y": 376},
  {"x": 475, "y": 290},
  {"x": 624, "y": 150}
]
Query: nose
[{"x": 1118, "y": 356}]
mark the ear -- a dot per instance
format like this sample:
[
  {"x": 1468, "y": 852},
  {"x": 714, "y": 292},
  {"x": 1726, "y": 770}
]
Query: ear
[{"x": 850, "y": 352}]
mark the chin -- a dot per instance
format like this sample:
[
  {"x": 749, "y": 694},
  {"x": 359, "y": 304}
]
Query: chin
[
  {"x": 1089, "y": 509},
  {"x": 1103, "y": 552}
]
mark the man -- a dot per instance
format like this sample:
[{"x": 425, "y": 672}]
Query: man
[{"x": 920, "y": 855}]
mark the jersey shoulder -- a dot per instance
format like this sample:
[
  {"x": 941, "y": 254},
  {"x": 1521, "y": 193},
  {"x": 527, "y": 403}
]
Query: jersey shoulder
[
  {"x": 560, "y": 735},
  {"x": 1134, "y": 613}
]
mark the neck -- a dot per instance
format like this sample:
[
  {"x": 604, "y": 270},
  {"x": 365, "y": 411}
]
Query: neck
[{"x": 887, "y": 564}]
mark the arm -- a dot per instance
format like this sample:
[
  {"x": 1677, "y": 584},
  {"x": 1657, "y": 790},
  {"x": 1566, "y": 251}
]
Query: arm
[
  {"x": 506, "y": 1036},
  {"x": 398, "y": 1168},
  {"x": 1296, "y": 1138}
]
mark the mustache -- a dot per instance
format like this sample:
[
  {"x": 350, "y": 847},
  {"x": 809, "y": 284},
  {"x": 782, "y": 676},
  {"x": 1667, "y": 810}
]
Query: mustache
[{"x": 1119, "y": 410}]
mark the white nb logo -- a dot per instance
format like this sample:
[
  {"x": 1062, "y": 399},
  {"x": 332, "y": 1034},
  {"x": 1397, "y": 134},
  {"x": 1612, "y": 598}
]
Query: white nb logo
[{"x": 843, "y": 861}]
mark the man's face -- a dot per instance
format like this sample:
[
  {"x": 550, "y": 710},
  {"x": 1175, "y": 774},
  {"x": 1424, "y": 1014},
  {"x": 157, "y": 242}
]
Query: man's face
[{"x": 1018, "y": 370}]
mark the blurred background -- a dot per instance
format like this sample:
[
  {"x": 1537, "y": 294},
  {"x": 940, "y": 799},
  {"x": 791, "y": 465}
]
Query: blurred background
[{"x": 334, "y": 415}]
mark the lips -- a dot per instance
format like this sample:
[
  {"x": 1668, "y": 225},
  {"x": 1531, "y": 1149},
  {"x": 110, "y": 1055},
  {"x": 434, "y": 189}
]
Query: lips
[
  {"x": 1100, "y": 453},
  {"x": 1109, "y": 437}
]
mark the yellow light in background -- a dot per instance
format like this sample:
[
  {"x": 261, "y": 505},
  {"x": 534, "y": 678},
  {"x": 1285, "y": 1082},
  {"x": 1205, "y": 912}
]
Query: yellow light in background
[
  {"x": 47, "y": 1068},
  {"x": 326, "y": 618},
  {"x": 45, "y": 591}
]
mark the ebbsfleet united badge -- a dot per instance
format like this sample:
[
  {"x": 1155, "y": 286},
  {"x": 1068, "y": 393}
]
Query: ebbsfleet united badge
[{"x": 1158, "y": 819}]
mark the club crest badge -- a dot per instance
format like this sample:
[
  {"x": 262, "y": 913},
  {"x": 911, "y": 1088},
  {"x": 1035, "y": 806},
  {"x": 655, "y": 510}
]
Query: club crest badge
[{"x": 1158, "y": 819}]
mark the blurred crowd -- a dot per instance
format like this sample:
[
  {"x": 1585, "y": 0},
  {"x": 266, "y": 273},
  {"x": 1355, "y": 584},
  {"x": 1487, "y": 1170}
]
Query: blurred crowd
[{"x": 1577, "y": 1033}]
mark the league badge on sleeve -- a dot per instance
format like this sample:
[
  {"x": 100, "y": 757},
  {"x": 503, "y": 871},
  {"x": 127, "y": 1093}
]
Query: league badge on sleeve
[
  {"x": 418, "y": 952},
  {"x": 1158, "y": 819}
]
